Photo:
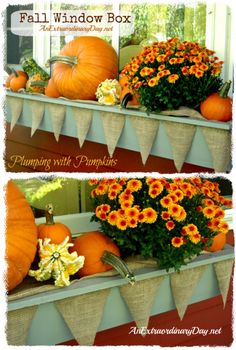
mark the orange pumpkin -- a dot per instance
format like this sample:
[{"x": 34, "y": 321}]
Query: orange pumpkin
[
  {"x": 82, "y": 65},
  {"x": 56, "y": 231},
  {"x": 92, "y": 245},
  {"x": 18, "y": 80},
  {"x": 218, "y": 106},
  {"x": 21, "y": 236},
  {"x": 127, "y": 96},
  {"x": 101, "y": 254},
  {"x": 13, "y": 74},
  {"x": 218, "y": 243},
  {"x": 51, "y": 90}
]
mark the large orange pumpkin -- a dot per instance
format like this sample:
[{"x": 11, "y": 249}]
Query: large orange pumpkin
[
  {"x": 21, "y": 236},
  {"x": 101, "y": 254},
  {"x": 218, "y": 106},
  {"x": 56, "y": 231},
  {"x": 82, "y": 65}
]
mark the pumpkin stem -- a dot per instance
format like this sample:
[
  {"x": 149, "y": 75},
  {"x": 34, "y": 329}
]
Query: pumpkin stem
[
  {"x": 40, "y": 83},
  {"x": 128, "y": 97},
  {"x": 8, "y": 70},
  {"x": 119, "y": 265},
  {"x": 49, "y": 214},
  {"x": 71, "y": 60},
  {"x": 13, "y": 71},
  {"x": 225, "y": 89}
]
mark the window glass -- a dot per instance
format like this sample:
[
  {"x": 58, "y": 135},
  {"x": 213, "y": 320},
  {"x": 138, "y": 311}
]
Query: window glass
[
  {"x": 163, "y": 21},
  {"x": 57, "y": 42},
  {"x": 17, "y": 46}
]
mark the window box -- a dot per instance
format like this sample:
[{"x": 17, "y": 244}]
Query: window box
[
  {"x": 44, "y": 309},
  {"x": 196, "y": 141}
]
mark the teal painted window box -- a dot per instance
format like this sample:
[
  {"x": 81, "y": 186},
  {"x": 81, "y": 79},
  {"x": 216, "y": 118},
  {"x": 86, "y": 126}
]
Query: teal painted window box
[{"x": 57, "y": 315}]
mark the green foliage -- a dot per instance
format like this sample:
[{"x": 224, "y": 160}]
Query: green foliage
[{"x": 150, "y": 235}]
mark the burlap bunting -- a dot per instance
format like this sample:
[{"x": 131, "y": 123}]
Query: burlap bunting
[
  {"x": 113, "y": 124},
  {"x": 219, "y": 143},
  {"x": 16, "y": 106},
  {"x": 37, "y": 113},
  {"x": 140, "y": 298},
  {"x": 183, "y": 284},
  {"x": 180, "y": 136},
  {"x": 57, "y": 114},
  {"x": 146, "y": 131},
  {"x": 83, "y": 314},
  {"x": 223, "y": 270},
  {"x": 83, "y": 119},
  {"x": 18, "y": 324},
  {"x": 184, "y": 111}
]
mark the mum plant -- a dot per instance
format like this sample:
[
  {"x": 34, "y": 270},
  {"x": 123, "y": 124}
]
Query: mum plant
[
  {"x": 170, "y": 220},
  {"x": 170, "y": 74}
]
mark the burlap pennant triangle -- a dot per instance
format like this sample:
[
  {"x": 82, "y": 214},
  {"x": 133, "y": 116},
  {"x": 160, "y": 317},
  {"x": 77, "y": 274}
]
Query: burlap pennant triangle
[
  {"x": 37, "y": 113},
  {"x": 219, "y": 143},
  {"x": 223, "y": 270},
  {"x": 83, "y": 119},
  {"x": 140, "y": 298},
  {"x": 113, "y": 124},
  {"x": 180, "y": 136},
  {"x": 83, "y": 314},
  {"x": 18, "y": 324},
  {"x": 146, "y": 131},
  {"x": 16, "y": 106},
  {"x": 57, "y": 114},
  {"x": 183, "y": 284}
]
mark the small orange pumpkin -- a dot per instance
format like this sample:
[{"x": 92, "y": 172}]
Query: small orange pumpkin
[
  {"x": 12, "y": 74},
  {"x": 92, "y": 245},
  {"x": 127, "y": 96},
  {"x": 218, "y": 243},
  {"x": 218, "y": 106},
  {"x": 56, "y": 231},
  {"x": 101, "y": 254},
  {"x": 21, "y": 236},
  {"x": 18, "y": 80}
]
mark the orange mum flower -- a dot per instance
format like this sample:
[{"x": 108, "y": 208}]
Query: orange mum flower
[
  {"x": 121, "y": 223},
  {"x": 150, "y": 215},
  {"x": 105, "y": 208},
  {"x": 166, "y": 201},
  {"x": 153, "y": 81},
  {"x": 224, "y": 227},
  {"x": 126, "y": 204},
  {"x": 170, "y": 225},
  {"x": 132, "y": 222},
  {"x": 174, "y": 210},
  {"x": 93, "y": 182},
  {"x": 195, "y": 238},
  {"x": 134, "y": 185},
  {"x": 132, "y": 212},
  {"x": 101, "y": 189},
  {"x": 126, "y": 197},
  {"x": 209, "y": 212},
  {"x": 112, "y": 194},
  {"x": 177, "y": 242},
  {"x": 165, "y": 215},
  {"x": 112, "y": 217},
  {"x": 219, "y": 213},
  {"x": 172, "y": 78},
  {"x": 141, "y": 217},
  {"x": 182, "y": 215}
]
